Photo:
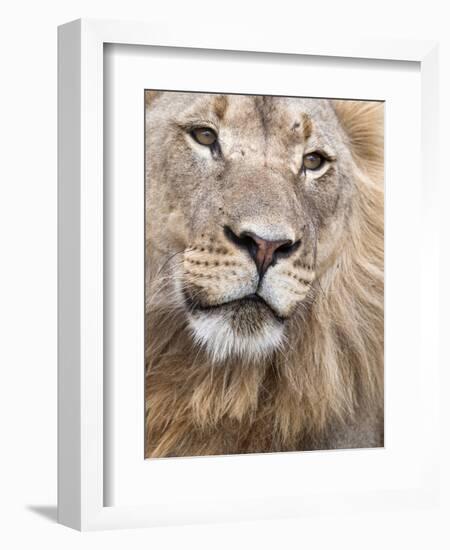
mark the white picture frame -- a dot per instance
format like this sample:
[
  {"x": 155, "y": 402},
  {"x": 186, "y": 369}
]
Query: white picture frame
[{"x": 82, "y": 483}]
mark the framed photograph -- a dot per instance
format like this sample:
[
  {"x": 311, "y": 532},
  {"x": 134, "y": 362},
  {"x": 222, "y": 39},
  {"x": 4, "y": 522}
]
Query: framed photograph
[{"x": 246, "y": 252}]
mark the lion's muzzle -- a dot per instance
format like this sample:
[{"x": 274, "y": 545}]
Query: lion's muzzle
[{"x": 264, "y": 252}]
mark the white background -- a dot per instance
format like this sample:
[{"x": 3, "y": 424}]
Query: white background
[{"x": 28, "y": 273}]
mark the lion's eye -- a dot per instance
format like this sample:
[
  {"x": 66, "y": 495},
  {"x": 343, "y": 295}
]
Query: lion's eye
[
  {"x": 204, "y": 136},
  {"x": 313, "y": 161}
]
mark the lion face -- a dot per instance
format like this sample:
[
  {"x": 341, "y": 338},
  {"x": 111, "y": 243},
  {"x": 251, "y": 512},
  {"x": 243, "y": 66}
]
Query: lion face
[{"x": 247, "y": 203}]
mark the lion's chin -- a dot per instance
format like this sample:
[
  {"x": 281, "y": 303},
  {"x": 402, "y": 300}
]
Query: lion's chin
[{"x": 248, "y": 332}]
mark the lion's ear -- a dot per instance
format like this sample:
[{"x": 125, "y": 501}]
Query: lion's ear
[
  {"x": 363, "y": 122},
  {"x": 150, "y": 96}
]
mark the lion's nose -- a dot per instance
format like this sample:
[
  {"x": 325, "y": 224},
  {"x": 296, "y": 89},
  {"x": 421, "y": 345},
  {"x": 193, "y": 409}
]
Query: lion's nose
[{"x": 264, "y": 253}]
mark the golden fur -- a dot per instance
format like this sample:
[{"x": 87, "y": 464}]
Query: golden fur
[{"x": 322, "y": 387}]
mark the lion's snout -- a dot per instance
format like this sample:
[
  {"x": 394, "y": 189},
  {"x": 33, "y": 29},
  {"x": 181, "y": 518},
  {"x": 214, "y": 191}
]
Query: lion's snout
[
  {"x": 264, "y": 252},
  {"x": 227, "y": 267}
]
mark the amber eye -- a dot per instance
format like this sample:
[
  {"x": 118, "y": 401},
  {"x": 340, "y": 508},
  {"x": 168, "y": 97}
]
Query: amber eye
[
  {"x": 313, "y": 161},
  {"x": 204, "y": 136}
]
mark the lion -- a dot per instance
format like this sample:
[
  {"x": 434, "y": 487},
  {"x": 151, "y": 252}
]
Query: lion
[{"x": 264, "y": 274}]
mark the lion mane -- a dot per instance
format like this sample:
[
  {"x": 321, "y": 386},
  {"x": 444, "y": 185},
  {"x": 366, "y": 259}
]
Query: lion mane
[{"x": 325, "y": 388}]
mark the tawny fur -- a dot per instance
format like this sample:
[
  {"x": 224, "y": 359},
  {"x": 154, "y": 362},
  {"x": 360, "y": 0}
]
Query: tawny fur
[{"x": 324, "y": 388}]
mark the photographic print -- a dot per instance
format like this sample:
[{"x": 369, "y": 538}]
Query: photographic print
[{"x": 264, "y": 274}]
